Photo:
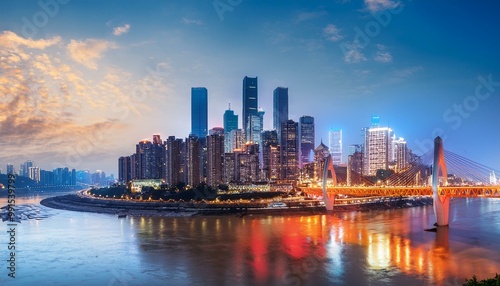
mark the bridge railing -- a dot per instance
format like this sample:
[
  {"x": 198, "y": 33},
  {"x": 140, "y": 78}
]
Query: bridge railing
[{"x": 451, "y": 191}]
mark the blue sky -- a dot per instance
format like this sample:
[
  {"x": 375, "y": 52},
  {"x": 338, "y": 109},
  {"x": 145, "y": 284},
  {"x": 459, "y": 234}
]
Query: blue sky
[{"x": 83, "y": 81}]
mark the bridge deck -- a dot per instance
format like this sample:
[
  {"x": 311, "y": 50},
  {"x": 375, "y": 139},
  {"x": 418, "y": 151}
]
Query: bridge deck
[{"x": 450, "y": 191}]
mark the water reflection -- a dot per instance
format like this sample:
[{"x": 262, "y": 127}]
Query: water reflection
[
  {"x": 371, "y": 248},
  {"x": 377, "y": 248}
]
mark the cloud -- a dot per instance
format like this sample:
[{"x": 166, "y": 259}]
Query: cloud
[
  {"x": 10, "y": 40},
  {"x": 353, "y": 53},
  {"x": 88, "y": 51},
  {"x": 118, "y": 31},
  {"x": 332, "y": 33},
  {"x": 53, "y": 112},
  {"x": 382, "y": 55},
  {"x": 188, "y": 21},
  {"x": 381, "y": 5}
]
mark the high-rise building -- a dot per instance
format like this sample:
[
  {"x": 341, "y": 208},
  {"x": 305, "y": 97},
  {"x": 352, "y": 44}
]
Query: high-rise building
[
  {"x": 215, "y": 159},
  {"x": 124, "y": 169},
  {"x": 250, "y": 100},
  {"x": 135, "y": 166},
  {"x": 270, "y": 155},
  {"x": 280, "y": 108},
  {"x": 233, "y": 140},
  {"x": 175, "y": 161},
  {"x": 289, "y": 153},
  {"x": 378, "y": 150},
  {"x": 306, "y": 139},
  {"x": 255, "y": 126},
  {"x": 248, "y": 167},
  {"x": 230, "y": 121},
  {"x": 335, "y": 145},
  {"x": 355, "y": 167},
  {"x": 47, "y": 178},
  {"x": 150, "y": 160},
  {"x": 24, "y": 168},
  {"x": 193, "y": 164},
  {"x": 34, "y": 173},
  {"x": 10, "y": 169},
  {"x": 230, "y": 167},
  {"x": 400, "y": 155},
  {"x": 199, "y": 111}
]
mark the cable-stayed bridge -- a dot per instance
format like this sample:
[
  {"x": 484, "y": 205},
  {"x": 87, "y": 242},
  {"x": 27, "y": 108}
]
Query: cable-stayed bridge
[{"x": 440, "y": 173}]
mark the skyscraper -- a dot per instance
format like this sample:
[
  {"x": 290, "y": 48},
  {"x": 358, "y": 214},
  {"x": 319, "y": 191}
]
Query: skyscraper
[
  {"x": 335, "y": 145},
  {"x": 270, "y": 155},
  {"x": 193, "y": 167},
  {"x": 230, "y": 121},
  {"x": 280, "y": 108},
  {"x": 378, "y": 150},
  {"x": 400, "y": 154},
  {"x": 175, "y": 161},
  {"x": 215, "y": 159},
  {"x": 289, "y": 153},
  {"x": 124, "y": 169},
  {"x": 306, "y": 139},
  {"x": 233, "y": 140},
  {"x": 24, "y": 168},
  {"x": 34, "y": 173},
  {"x": 255, "y": 126},
  {"x": 149, "y": 160},
  {"x": 250, "y": 99},
  {"x": 199, "y": 111}
]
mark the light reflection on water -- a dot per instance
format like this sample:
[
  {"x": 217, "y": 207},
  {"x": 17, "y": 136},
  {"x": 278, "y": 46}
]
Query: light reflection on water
[{"x": 371, "y": 248}]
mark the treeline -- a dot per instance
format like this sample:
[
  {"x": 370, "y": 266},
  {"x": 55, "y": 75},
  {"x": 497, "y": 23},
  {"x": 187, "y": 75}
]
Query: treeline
[{"x": 199, "y": 193}]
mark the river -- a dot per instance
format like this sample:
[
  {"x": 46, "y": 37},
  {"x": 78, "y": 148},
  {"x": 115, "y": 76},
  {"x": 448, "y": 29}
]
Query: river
[{"x": 388, "y": 247}]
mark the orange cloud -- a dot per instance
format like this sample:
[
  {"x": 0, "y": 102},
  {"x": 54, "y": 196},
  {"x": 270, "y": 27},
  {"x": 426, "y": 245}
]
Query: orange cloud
[{"x": 88, "y": 51}]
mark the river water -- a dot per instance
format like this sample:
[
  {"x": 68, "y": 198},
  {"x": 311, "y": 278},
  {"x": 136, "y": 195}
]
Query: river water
[{"x": 386, "y": 247}]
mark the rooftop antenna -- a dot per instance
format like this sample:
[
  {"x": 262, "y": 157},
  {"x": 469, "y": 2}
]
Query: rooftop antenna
[{"x": 229, "y": 106}]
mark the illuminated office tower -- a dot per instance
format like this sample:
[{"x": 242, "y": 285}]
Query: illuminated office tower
[
  {"x": 335, "y": 145},
  {"x": 400, "y": 155},
  {"x": 289, "y": 153},
  {"x": 306, "y": 139},
  {"x": 250, "y": 100},
  {"x": 255, "y": 126},
  {"x": 378, "y": 150},
  {"x": 270, "y": 155},
  {"x": 234, "y": 140}
]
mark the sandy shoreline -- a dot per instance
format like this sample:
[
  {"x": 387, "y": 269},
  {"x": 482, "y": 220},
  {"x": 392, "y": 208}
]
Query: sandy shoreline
[{"x": 83, "y": 203}]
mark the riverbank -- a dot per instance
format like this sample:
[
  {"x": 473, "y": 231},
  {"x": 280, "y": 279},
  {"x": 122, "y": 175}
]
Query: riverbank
[{"x": 83, "y": 203}]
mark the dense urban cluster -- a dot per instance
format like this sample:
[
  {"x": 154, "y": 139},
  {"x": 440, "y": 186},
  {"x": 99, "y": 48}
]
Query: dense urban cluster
[
  {"x": 285, "y": 155},
  {"x": 34, "y": 176}
]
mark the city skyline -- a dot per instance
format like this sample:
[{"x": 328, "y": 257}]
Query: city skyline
[{"x": 79, "y": 91}]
